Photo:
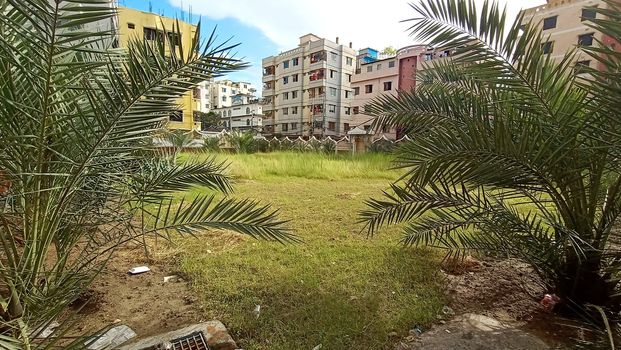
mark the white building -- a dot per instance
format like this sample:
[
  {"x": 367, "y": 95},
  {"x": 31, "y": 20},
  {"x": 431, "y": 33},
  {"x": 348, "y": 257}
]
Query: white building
[
  {"x": 218, "y": 94},
  {"x": 245, "y": 113},
  {"x": 307, "y": 90}
]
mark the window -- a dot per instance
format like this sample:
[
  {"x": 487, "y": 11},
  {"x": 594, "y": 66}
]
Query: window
[
  {"x": 294, "y": 94},
  {"x": 348, "y": 77},
  {"x": 150, "y": 34},
  {"x": 245, "y": 86},
  {"x": 285, "y": 64},
  {"x": 229, "y": 112},
  {"x": 379, "y": 66},
  {"x": 295, "y": 61},
  {"x": 347, "y": 94},
  {"x": 332, "y": 73},
  {"x": 346, "y": 127},
  {"x": 285, "y": 127},
  {"x": 131, "y": 26},
  {"x": 585, "y": 39},
  {"x": 294, "y": 126},
  {"x": 369, "y": 68},
  {"x": 294, "y": 78},
  {"x": 332, "y": 91},
  {"x": 356, "y": 91},
  {"x": 347, "y": 110},
  {"x": 176, "y": 116},
  {"x": 285, "y": 96},
  {"x": 331, "y": 125},
  {"x": 247, "y": 122},
  {"x": 332, "y": 108},
  {"x": 174, "y": 38},
  {"x": 547, "y": 47},
  {"x": 285, "y": 80},
  {"x": 223, "y": 89},
  {"x": 368, "y": 89},
  {"x": 294, "y": 110},
  {"x": 285, "y": 111},
  {"x": 223, "y": 98},
  {"x": 588, "y": 13},
  {"x": 247, "y": 110},
  {"x": 388, "y": 86},
  {"x": 549, "y": 22},
  {"x": 334, "y": 56},
  {"x": 391, "y": 64},
  {"x": 581, "y": 66},
  {"x": 349, "y": 61},
  {"x": 356, "y": 110}
]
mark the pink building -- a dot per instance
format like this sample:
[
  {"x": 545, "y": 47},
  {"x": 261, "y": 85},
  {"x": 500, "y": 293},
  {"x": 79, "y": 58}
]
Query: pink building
[{"x": 377, "y": 75}]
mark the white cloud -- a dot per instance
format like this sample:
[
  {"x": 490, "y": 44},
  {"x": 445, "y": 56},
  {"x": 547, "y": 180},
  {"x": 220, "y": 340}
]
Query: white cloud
[{"x": 366, "y": 23}]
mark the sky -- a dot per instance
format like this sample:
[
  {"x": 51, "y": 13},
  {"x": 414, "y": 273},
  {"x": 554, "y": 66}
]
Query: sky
[{"x": 266, "y": 27}]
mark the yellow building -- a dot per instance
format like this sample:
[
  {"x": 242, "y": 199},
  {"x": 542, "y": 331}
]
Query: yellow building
[{"x": 139, "y": 24}]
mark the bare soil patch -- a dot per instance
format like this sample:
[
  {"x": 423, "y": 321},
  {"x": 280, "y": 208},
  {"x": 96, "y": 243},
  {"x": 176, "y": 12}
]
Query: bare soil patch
[{"x": 143, "y": 302}]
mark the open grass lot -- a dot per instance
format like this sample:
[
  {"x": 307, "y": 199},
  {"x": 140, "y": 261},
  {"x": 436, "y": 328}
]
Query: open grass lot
[{"x": 338, "y": 288}]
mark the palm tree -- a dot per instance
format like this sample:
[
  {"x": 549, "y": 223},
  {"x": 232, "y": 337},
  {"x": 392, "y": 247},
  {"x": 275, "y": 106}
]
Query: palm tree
[
  {"x": 513, "y": 153},
  {"x": 78, "y": 172}
]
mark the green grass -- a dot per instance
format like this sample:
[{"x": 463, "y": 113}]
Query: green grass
[{"x": 338, "y": 288}]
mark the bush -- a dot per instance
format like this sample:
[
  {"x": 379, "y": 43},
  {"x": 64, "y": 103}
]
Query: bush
[
  {"x": 77, "y": 175},
  {"x": 382, "y": 146},
  {"x": 512, "y": 154}
]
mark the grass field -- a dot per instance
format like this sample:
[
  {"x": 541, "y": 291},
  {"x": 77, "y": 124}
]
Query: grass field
[{"x": 338, "y": 288}]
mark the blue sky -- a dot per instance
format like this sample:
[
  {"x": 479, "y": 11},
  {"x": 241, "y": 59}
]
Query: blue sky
[{"x": 267, "y": 27}]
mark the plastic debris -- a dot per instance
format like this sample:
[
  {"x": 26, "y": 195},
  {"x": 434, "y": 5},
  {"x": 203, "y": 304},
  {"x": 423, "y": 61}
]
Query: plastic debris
[
  {"x": 171, "y": 278},
  {"x": 138, "y": 270},
  {"x": 549, "y": 301},
  {"x": 112, "y": 338},
  {"x": 318, "y": 347},
  {"x": 447, "y": 311},
  {"x": 417, "y": 330},
  {"x": 257, "y": 311},
  {"x": 49, "y": 330}
]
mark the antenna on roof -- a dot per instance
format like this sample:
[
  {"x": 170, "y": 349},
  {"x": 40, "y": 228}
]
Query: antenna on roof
[{"x": 150, "y": 6}]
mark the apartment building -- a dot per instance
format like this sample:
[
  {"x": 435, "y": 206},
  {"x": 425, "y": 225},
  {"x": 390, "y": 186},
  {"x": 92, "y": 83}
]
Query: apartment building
[
  {"x": 245, "y": 113},
  {"x": 223, "y": 91},
  {"x": 149, "y": 26},
  {"x": 376, "y": 76},
  {"x": 563, "y": 25},
  {"x": 307, "y": 90}
]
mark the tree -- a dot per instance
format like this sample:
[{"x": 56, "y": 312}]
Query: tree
[
  {"x": 208, "y": 120},
  {"x": 389, "y": 51},
  {"x": 78, "y": 172},
  {"x": 512, "y": 152}
]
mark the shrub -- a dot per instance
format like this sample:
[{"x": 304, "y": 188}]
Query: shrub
[
  {"x": 513, "y": 154},
  {"x": 78, "y": 172}
]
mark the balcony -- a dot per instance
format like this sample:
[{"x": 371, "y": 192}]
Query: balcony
[
  {"x": 269, "y": 73},
  {"x": 268, "y": 92},
  {"x": 318, "y": 57}
]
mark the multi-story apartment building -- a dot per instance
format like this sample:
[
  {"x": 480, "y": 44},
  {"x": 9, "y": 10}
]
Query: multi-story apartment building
[
  {"x": 307, "y": 90},
  {"x": 563, "y": 25},
  {"x": 376, "y": 76},
  {"x": 245, "y": 113},
  {"x": 212, "y": 94},
  {"x": 223, "y": 91},
  {"x": 138, "y": 24}
]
